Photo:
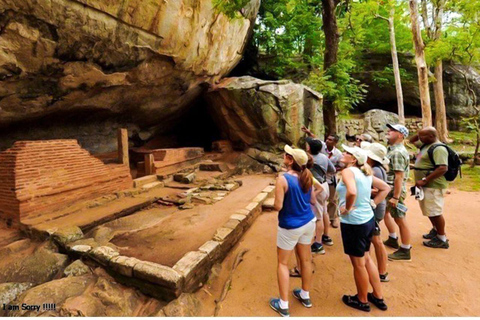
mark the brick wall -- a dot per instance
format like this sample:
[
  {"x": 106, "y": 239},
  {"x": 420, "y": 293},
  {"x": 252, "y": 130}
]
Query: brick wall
[{"x": 37, "y": 177}]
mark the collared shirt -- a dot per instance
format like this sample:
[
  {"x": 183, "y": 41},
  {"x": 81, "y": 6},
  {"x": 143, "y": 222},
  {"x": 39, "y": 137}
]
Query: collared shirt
[
  {"x": 399, "y": 161},
  {"x": 440, "y": 156}
]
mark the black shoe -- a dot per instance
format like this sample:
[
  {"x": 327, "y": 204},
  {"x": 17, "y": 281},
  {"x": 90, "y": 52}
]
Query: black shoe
[
  {"x": 379, "y": 303},
  {"x": 432, "y": 234},
  {"x": 392, "y": 243},
  {"x": 436, "y": 243},
  {"x": 352, "y": 301},
  {"x": 317, "y": 248},
  {"x": 326, "y": 240},
  {"x": 384, "y": 277}
]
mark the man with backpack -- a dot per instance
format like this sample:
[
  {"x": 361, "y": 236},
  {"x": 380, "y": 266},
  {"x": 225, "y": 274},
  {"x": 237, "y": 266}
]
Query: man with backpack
[{"x": 431, "y": 168}]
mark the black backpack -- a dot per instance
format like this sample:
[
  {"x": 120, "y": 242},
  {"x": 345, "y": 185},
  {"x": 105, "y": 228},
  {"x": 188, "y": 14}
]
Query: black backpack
[{"x": 454, "y": 162}]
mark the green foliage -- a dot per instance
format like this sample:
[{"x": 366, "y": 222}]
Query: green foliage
[{"x": 231, "y": 8}]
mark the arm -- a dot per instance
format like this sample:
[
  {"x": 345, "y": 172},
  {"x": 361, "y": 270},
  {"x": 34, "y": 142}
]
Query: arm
[
  {"x": 348, "y": 179},
  {"x": 317, "y": 187},
  {"x": 330, "y": 167},
  {"x": 397, "y": 188},
  {"x": 308, "y": 132},
  {"x": 414, "y": 139},
  {"x": 280, "y": 189},
  {"x": 383, "y": 190},
  {"x": 440, "y": 156}
]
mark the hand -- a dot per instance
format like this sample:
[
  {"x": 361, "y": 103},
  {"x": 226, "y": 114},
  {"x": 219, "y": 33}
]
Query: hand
[
  {"x": 393, "y": 202},
  {"x": 344, "y": 211},
  {"x": 305, "y": 129},
  {"x": 420, "y": 183},
  {"x": 374, "y": 192}
]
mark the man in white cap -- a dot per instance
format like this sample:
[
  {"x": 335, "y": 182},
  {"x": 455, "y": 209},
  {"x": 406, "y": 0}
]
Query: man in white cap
[{"x": 397, "y": 176}]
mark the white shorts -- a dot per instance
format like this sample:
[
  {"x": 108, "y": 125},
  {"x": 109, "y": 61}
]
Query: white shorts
[
  {"x": 321, "y": 204},
  {"x": 287, "y": 239},
  {"x": 433, "y": 202}
]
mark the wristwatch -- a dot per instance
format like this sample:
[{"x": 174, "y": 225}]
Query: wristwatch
[{"x": 424, "y": 179}]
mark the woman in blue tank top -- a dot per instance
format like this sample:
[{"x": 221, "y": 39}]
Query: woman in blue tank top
[
  {"x": 358, "y": 224},
  {"x": 296, "y": 226}
]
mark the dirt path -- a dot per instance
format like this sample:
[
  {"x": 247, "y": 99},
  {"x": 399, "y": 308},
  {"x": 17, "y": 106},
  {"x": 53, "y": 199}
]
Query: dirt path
[
  {"x": 187, "y": 230},
  {"x": 436, "y": 283}
]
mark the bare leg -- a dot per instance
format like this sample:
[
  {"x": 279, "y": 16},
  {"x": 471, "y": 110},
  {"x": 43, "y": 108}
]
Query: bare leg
[
  {"x": 404, "y": 230},
  {"x": 439, "y": 224},
  {"x": 306, "y": 263},
  {"x": 361, "y": 277},
  {"x": 380, "y": 253},
  {"x": 373, "y": 276},
  {"x": 319, "y": 230},
  {"x": 282, "y": 272},
  {"x": 389, "y": 222},
  {"x": 326, "y": 222},
  {"x": 297, "y": 257}
]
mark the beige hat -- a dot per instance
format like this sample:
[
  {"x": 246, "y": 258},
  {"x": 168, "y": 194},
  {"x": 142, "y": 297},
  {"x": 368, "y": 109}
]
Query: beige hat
[
  {"x": 377, "y": 152},
  {"x": 358, "y": 153},
  {"x": 298, "y": 155}
]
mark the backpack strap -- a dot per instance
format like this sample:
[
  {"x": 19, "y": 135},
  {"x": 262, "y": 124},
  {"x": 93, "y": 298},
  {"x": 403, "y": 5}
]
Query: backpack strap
[{"x": 432, "y": 149}]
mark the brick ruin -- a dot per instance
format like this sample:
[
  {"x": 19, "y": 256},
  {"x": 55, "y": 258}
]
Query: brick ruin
[{"x": 38, "y": 177}]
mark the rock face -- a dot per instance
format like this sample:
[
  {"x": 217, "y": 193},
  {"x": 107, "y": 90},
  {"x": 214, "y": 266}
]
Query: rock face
[
  {"x": 264, "y": 114},
  {"x": 70, "y": 67}
]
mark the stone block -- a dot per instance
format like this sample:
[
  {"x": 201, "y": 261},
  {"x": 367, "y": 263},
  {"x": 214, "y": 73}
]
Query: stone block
[
  {"x": 213, "y": 166},
  {"x": 81, "y": 248},
  {"x": 268, "y": 189},
  {"x": 231, "y": 186},
  {"x": 67, "y": 234},
  {"x": 231, "y": 224},
  {"x": 76, "y": 268},
  {"x": 158, "y": 274},
  {"x": 103, "y": 254},
  {"x": 152, "y": 185},
  {"x": 260, "y": 197},
  {"x": 185, "y": 177},
  {"x": 268, "y": 204},
  {"x": 123, "y": 265},
  {"x": 195, "y": 267},
  {"x": 137, "y": 183},
  {"x": 228, "y": 238},
  {"x": 212, "y": 249}
]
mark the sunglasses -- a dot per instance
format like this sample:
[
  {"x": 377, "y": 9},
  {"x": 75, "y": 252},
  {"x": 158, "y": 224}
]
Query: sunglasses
[{"x": 358, "y": 139}]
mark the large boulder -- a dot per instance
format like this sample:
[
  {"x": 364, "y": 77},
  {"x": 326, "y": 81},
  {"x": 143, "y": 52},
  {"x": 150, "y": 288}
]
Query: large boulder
[
  {"x": 83, "y": 68},
  {"x": 265, "y": 114}
]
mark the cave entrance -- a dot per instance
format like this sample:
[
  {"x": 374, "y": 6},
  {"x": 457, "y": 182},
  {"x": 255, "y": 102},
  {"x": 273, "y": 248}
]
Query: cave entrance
[{"x": 189, "y": 138}]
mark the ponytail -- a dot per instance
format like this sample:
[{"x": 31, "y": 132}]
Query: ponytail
[
  {"x": 305, "y": 179},
  {"x": 366, "y": 169}
]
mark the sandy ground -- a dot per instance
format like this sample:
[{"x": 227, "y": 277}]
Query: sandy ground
[
  {"x": 183, "y": 231},
  {"x": 436, "y": 282}
]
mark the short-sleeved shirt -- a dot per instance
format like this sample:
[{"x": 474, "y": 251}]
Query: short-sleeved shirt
[
  {"x": 334, "y": 156},
  {"x": 440, "y": 156},
  {"x": 325, "y": 164},
  {"x": 399, "y": 161}
]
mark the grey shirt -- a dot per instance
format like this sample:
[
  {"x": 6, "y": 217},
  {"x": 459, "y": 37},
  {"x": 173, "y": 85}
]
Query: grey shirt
[{"x": 380, "y": 173}]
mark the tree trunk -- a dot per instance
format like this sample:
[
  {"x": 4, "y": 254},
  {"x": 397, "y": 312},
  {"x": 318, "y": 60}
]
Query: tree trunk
[
  {"x": 422, "y": 68},
  {"x": 396, "y": 68},
  {"x": 332, "y": 38},
  {"x": 440, "y": 110}
]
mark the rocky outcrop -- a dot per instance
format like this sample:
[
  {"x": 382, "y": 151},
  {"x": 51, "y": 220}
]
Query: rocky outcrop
[
  {"x": 68, "y": 67},
  {"x": 264, "y": 114}
]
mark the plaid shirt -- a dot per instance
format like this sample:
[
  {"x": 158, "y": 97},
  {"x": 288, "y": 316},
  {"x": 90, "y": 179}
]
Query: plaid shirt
[{"x": 399, "y": 161}]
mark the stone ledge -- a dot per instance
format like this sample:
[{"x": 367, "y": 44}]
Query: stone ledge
[
  {"x": 67, "y": 234},
  {"x": 260, "y": 197},
  {"x": 124, "y": 265},
  {"x": 103, "y": 255},
  {"x": 158, "y": 274},
  {"x": 195, "y": 267},
  {"x": 212, "y": 249}
]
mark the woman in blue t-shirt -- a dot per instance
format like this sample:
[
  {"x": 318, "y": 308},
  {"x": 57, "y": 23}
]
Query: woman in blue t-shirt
[
  {"x": 357, "y": 225},
  {"x": 296, "y": 226}
]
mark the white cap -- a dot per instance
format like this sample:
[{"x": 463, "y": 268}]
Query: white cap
[
  {"x": 377, "y": 152},
  {"x": 298, "y": 155},
  {"x": 358, "y": 153}
]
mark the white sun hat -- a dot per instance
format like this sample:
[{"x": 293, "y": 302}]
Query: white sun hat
[
  {"x": 377, "y": 152},
  {"x": 358, "y": 153}
]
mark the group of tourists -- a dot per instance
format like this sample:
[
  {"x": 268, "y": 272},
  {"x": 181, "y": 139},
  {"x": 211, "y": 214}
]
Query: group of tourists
[{"x": 323, "y": 187}]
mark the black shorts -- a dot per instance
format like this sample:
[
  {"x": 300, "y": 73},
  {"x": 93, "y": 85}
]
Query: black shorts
[{"x": 357, "y": 237}]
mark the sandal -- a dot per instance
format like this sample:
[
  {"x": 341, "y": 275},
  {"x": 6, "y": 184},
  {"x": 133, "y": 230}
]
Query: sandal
[
  {"x": 352, "y": 301},
  {"x": 295, "y": 273}
]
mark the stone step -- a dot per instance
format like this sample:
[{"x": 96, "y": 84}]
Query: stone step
[
  {"x": 139, "y": 182},
  {"x": 268, "y": 204}
]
